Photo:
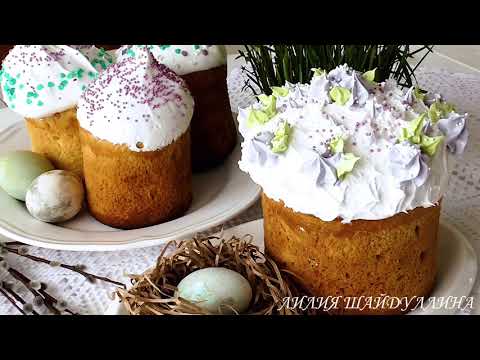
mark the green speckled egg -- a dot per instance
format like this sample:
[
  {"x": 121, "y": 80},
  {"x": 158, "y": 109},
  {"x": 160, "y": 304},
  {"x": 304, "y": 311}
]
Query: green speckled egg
[
  {"x": 18, "y": 169},
  {"x": 216, "y": 290}
]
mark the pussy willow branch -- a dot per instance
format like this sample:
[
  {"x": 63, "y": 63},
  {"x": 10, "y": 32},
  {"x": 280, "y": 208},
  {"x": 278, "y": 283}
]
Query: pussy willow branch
[
  {"x": 16, "y": 296},
  {"x": 48, "y": 299},
  {"x": 76, "y": 269},
  {"x": 12, "y": 301}
]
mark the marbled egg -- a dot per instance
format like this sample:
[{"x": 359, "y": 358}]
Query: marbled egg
[
  {"x": 18, "y": 169},
  {"x": 55, "y": 196},
  {"x": 211, "y": 288}
]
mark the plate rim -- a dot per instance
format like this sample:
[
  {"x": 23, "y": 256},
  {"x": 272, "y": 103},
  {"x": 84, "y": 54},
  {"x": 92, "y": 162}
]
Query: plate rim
[
  {"x": 115, "y": 307},
  {"x": 251, "y": 195}
]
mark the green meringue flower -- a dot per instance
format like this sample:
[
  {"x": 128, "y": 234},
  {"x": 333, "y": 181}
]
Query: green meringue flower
[
  {"x": 261, "y": 117},
  {"x": 418, "y": 94},
  {"x": 413, "y": 131},
  {"x": 269, "y": 104},
  {"x": 337, "y": 144},
  {"x": 414, "y": 134},
  {"x": 439, "y": 110},
  {"x": 429, "y": 145},
  {"x": 340, "y": 95},
  {"x": 257, "y": 117},
  {"x": 282, "y": 137},
  {"x": 318, "y": 72},
  {"x": 279, "y": 91},
  {"x": 370, "y": 75},
  {"x": 346, "y": 165}
]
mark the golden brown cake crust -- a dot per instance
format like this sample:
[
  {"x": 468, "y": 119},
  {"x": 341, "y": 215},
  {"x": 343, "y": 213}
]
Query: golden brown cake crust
[
  {"x": 395, "y": 256},
  {"x": 129, "y": 190},
  {"x": 56, "y": 137},
  {"x": 214, "y": 134}
]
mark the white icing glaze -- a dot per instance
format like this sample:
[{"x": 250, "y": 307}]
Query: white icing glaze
[
  {"x": 370, "y": 191},
  {"x": 137, "y": 102},
  {"x": 41, "y": 80},
  {"x": 183, "y": 59}
]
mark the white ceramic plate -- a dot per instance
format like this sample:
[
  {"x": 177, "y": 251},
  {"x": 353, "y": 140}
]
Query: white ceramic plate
[
  {"x": 219, "y": 195},
  {"x": 456, "y": 273}
]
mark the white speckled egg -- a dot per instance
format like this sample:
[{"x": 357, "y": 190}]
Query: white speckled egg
[
  {"x": 212, "y": 287},
  {"x": 18, "y": 169},
  {"x": 55, "y": 196}
]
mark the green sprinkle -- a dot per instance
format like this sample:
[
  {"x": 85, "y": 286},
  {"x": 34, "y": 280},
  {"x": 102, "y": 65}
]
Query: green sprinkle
[
  {"x": 178, "y": 51},
  {"x": 84, "y": 87},
  {"x": 29, "y": 101},
  {"x": 131, "y": 53},
  {"x": 21, "y": 86},
  {"x": 91, "y": 74},
  {"x": 62, "y": 75},
  {"x": 50, "y": 84},
  {"x": 30, "y": 94},
  {"x": 40, "y": 103},
  {"x": 40, "y": 87},
  {"x": 12, "y": 81}
]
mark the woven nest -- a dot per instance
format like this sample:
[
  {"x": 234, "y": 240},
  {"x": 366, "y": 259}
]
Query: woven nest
[{"x": 155, "y": 292}]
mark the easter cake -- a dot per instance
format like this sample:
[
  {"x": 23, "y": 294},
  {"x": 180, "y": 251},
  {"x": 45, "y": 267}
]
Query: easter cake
[
  {"x": 43, "y": 83},
  {"x": 204, "y": 68},
  {"x": 353, "y": 174},
  {"x": 135, "y": 135}
]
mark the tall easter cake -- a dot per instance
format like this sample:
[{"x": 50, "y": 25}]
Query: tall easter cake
[
  {"x": 135, "y": 134},
  {"x": 353, "y": 173},
  {"x": 43, "y": 83},
  {"x": 204, "y": 68}
]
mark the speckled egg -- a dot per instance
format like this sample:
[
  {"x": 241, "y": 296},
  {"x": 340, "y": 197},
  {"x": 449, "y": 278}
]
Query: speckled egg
[
  {"x": 18, "y": 169},
  {"x": 211, "y": 288},
  {"x": 55, "y": 196}
]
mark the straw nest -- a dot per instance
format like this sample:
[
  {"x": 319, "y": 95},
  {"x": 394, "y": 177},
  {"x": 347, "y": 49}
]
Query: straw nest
[{"x": 155, "y": 292}]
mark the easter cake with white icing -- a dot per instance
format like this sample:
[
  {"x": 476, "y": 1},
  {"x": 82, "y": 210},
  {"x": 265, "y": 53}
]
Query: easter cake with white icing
[
  {"x": 204, "y": 68},
  {"x": 353, "y": 173},
  {"x": 135, "y": 135},
  {"x": 43, "y": 83}
]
